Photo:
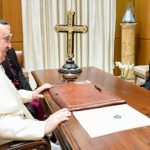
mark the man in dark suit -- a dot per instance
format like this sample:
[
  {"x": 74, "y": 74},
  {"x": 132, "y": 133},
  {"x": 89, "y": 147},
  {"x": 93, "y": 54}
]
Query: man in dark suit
[{"x": 14, "y": 71}]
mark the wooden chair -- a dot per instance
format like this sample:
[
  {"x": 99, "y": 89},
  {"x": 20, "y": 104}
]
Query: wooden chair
[
  {"x": 142, "y": 72},
  {"x": 19, "y": 54},
  {"x": 43, "y": 144}
]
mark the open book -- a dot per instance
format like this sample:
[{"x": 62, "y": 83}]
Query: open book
[{"x": 76, "y": 96}]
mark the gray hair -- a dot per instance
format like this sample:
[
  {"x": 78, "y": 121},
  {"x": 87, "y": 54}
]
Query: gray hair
[{"x": 3, "y": 22}]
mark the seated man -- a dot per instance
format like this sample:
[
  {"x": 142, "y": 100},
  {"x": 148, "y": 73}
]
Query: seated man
[
  {"x": 16, "y": 122},
  {"x": 14, "y": 72}
]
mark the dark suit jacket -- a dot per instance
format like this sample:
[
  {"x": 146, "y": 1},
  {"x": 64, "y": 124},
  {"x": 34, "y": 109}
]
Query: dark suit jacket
[{"x": 14, "y": 71}]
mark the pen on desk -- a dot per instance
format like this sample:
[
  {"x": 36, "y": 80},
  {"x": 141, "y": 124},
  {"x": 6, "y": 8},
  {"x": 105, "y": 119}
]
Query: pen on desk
[{"x": 98, "y": 88}]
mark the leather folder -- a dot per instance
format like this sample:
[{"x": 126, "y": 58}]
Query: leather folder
[{"x": 75, "y": 96}]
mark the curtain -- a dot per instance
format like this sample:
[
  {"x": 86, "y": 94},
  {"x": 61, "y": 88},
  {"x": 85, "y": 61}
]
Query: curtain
[{"x": 45, "y": 48}]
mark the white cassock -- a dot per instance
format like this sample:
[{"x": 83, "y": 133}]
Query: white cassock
[{"x": 16, "y": 122}]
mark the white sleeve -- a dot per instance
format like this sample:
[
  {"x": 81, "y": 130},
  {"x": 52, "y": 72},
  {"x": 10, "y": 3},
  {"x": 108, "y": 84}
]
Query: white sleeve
[
  {"x": 16, "y": 128},
  {"x": 25, "y": 95}
]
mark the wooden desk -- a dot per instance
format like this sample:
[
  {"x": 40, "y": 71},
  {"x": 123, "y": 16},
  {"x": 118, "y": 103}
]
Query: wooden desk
[{"x": 71, "y": 135}]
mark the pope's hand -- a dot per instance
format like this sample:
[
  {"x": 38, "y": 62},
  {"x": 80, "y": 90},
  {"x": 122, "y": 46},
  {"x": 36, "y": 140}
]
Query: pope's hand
[
  {"x": 55, "y": 119},
  {"x": 37, "y": 93}
]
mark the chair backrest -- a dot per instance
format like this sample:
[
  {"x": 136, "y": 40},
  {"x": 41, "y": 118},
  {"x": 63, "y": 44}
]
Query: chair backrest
[
  {"x": 19, "y": 54},
  {"x": 43, "y": 144}
]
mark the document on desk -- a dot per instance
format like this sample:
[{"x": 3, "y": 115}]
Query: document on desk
[{"x": 107, "y": 120}]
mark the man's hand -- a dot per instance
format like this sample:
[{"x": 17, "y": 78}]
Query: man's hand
[
  {"x": 37, "y": 93},
  {"x": 55, "y": 119}
]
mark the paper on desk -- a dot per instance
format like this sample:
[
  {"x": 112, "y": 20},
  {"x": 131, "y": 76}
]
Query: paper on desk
[{"x": 106, "y": 120}]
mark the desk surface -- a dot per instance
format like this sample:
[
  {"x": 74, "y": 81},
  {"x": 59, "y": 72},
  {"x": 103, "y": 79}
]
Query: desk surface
[{"x": 71, "y": 135}]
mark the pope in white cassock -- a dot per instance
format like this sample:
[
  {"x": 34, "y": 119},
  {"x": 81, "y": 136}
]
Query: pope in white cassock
[{"x": 16, "y": 122}]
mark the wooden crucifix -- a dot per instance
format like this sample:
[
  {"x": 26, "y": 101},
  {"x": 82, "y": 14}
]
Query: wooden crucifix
[{"x": 70, "y": 29}]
